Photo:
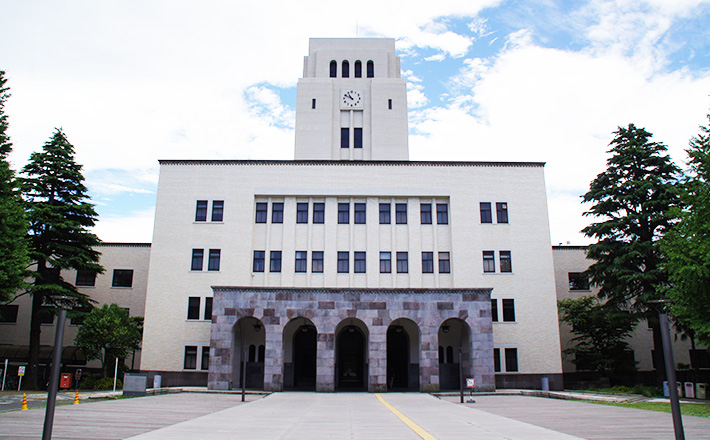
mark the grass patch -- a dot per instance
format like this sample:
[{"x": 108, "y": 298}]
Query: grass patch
[{"x": 687, "y": 409}]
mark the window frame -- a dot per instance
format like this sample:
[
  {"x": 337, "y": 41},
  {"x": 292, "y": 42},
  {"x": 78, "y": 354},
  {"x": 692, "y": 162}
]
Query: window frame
[
  {"x": 277, "y": 215},
  {"x": 343, "y": 262},
  {"x": 357, "y": 137},
  {"x": 427, "y": 262},
  {"x": 494, "y": 310},
  {"x": 201, "y": 211},
  {"x": 214, "y": 260},
  {"x": 442, "y": 213},
  {"x": 343, "y": 213},
  {"x": 386, "y": 263},
  {"x": 508, "y": 306},
  {"x": 385, "y": 213},
  {"x": 205, "y": 358},
  {"x": 486, "y": 213},
  {"x": 511, "y": 360},
  {"x": 502, "y": 212},
  {"x": 316, "y": 261},
  {"x": 444, "y": 263},
  {"x": 505, "y": 261},
  {"x": 344, "y": 137},
  {"x": 302, "y": 212},
  {"x": 360, "y": 213},
  {"x": 403, "y": 262},
  {"x": 259, "y": 262},
  {"x": 190, "y": 363},
  {"x": 9, "y": 313},
  {"x": 359, "y": 262},
  {"x": 400, "y": 210},
  {"x": 197, "y": 261},
  {"x": 275, "y": 262},
  {"x": 85, "y": 278},
  {"x": 217, "y": 211},
  {"x": 489, "y": 262},
  {"x": 425, "y": 213},
  {"x": 207, "y": 315},
  {"x": 115, "y": 282},
  {"x": 318, "y": 213},
  {"x": 193, "y": 308},
  {"x": 301, "y": 264},
  {"x": 262, "y": 212}
]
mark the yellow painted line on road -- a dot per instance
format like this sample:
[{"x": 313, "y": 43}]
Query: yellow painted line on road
[{"x": 416, "y": 428}]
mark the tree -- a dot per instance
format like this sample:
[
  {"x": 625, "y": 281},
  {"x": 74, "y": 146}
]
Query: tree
[
  {"x": 109, "y": 332},
  {"x": 13, "y": 226},
  {"x": 59, "y": 218},
  {"x": 633, "y": 200},
  {"x": 687, "y": 244},
  {"x": 601, "y": 329}
]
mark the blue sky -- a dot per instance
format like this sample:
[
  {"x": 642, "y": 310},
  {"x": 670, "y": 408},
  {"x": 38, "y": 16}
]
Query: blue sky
[{"x": 133, "y": 82}]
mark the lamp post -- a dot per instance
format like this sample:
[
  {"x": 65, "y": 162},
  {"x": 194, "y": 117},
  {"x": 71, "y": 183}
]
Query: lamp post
[{"x": 54, "y": 377}]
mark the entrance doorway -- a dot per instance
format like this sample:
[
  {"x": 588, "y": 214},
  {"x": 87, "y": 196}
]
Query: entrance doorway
[
  {"x": 351, "y": 369},
  {"x": 304, "y": 357},
  {"x": 454, "y": 349},
  {"x": 397, "y": 358}
]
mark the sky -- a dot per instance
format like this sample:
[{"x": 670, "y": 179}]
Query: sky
[{"x": 134, "y": 81}]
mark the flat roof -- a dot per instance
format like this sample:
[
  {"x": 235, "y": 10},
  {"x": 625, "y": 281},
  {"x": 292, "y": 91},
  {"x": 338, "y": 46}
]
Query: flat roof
[{"x": 360, "y": 163}]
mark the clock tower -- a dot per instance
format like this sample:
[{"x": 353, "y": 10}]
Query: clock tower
[{"x": 351, "y": 101}]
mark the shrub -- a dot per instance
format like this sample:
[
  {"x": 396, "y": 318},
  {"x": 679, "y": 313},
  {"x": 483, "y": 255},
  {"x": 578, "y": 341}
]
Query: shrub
[
  {"x": 107, "y": 384},
  {"x": 87, "y": 382}
]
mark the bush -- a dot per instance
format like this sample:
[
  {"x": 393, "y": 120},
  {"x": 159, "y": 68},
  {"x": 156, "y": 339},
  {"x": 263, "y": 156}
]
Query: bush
[
  {"x": 87, "y": 382},
  {"x": 107, "y": 384},
  {"x": 647, "y": 391}
]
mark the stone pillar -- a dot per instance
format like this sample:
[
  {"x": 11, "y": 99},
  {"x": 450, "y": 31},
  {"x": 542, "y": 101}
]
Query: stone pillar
[
  {"x": 325, "y": 363},
  {"x": 480, "y": 358},
  {"x": 274, "y": 358},
  {"x": 377, "y": 359},
  {"x": 429, "y": 359},
  {"x": 220, "y": 369}
]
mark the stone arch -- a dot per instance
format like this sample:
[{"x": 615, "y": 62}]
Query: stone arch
[
  {"x": 351, "y": 355},
  {"x": 248, "y": 340},
  {"x": 454, "y": 338},
  {"x": 403, "y": 351},
  {"x": 300, "y": 354}
]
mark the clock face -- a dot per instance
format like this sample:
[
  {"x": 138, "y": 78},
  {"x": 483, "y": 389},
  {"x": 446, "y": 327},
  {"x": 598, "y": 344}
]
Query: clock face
[{"x": 351, "y": 98}]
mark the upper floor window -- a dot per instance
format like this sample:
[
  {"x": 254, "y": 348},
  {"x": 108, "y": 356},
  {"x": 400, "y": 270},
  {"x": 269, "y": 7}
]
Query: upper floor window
[
  {"x": 85, "y": 278},
  {"x": 578, "y": 281},
  {"x": 343, "y": 213},
  {"x": 358, "y": 69},
  {"x": 301, "y": 212},
  {"x": 489, "y": 262},
  {"x": 385, "y": 262},
  {"x": 401, "y": 213},
  {"x": 402, "y": 262},
  {"x": 486, "y": 216},
  {"x": 333, "y": 69},
  {"x": 502, "y": 212},
  {"x": 190, "y": 357},
  {"x": 511, "y": 359},
  {"x": 198, "y": 256},
  {"x": 425, "y": 209},
  {"x": 122, "y": 278},
  {"x": 319, "y": 213},
  {"x": 496, "y": 360},
  {"x": 301, "y": 261},
  {"x": 317, "y": 261},
  {"x": 8, "y": 313},
  {"x": 201, "y": 211},
  {"x": 343, "y": 262},
  {"x": 217, "y": 210},
  {"x": 360, "y": 262},
  {"x": 205, "y": 358},
  {"x": 505, "y": 262},
  {"x": 275, "y": 263},
  {"x": 357, "y": 137},
  {"x": 208, "y": 309},
  {"x": 370, "y": 69},
  {"x": 277, "y": 212},
  {"x": 442, "y": 213},
  {"x": 345, "y": 137},
  {"x": 193, "y": 307},
  {"x": 213, "y": 262},
  {"x": 427, "y": 262},
  {"x": 259, "y": 257},
  {"x": 509, "y": 310},
  {"x": 494, "y": 310},
  {"x": 261, "y": 210},
  {"x": 444, "y": 262},
  {"x": 346, "y": 69},
  {"x": 385, "y": 213},
  {"x": 360, "y": 213}
]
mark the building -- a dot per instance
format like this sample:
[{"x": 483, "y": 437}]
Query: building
[{"x": 351, "y": 267}]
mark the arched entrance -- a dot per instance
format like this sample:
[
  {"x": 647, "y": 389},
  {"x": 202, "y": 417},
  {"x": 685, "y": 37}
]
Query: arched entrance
[
  {"x": 351, "y": 356},
  {"x": 402, "y": 355},
  {"x": 248, "y": 345},
  {"x": 300, "y": 354},
  {"x": 453, "y": 344}
]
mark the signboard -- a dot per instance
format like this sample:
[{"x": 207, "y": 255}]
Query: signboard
[
  {"x": 134, "y": 384},
  {"x": 21, "y": 370},
  {"x": 470, "y": 382}
]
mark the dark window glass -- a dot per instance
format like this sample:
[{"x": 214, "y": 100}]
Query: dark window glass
[
  {"x": 505, "y": 263},
  {"x": 509, "y": 310},
  {"x": 317, "y": 261},
  {"x": 442, "y": 214},
  {"x": 494, "y": 310},
  {"x": 344, "y": 137},
  {"x": 427, "y": 262},
  {"x": 360, "y": 262},
  {"x": 319, "y": 213},
  {"x": 502, "y": 212},
  {"x": 425, "y": 209},
  {"x": 252, "y": 353},
  {"x": 346, "y": 69},
  {"x": 389, "y": 104},
  {"x": 122, "y": 278},
  {"x": 275, "y": 263},
  {"x": 46, "y": 316},
  {"x": 402, "y": 262},
  {"x": 578, "y": 281},
  {"x": 190, "y": 358},
  {"x": 489, "y": 262},
  {"x": 313, "y": 103},
  {"x": 85, "y": 278},
  {"x": 449, "y": 355},
  {"x": 511, "y": 359},
  {"x": 496, "y": 360},
  {"x": 360, "y": 213},
  {"x": 333, "y": 69},
  {"x": 486, "y": 213},
  {"x": 301, "y": 261},
  {"x": 261, "y": 212},
  {"x": 277, "y": 212},
  {"x": 208, "y": 309},
  {"x": 217, "y": 210},
  {"x": 385, "y": 213},
  {"x": 442, "y": 359},
  {"x": 197, "y": 257},
  {"x": 262, "y": 353},
  {"x": 213, "y": 263},
  {"x": 205, "y": 358},
  {"x": 8, "y": 313},
  {"x": 385, "y": 262},
  {"x": 343, "y": 262},
  {"x": 193, "y": 307},
  {"x": 401, "y": 213},
  {"x": 259, "y": 261},
  {"x": 358, "y": 69},
  {"x": 201, "y": 211},
  {"x": 370, "y": 69},
  {"x": 343, "y": 213},
  {"x": 444, "y": 262},
  {"x": 357, "y": 137},
  {"x": 301, "y": 212}
]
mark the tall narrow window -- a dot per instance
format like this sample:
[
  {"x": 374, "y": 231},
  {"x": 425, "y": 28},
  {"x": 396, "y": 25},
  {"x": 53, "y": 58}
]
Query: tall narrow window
[
  {"x": 360, "y": 262},
  {"x": 402, "y": 262},
  {"x": 217, "y": 210},
  {"x": 509, "y": 310},
  {"x": 333, "y": 69},
  {"x": 360, "y": 213},
  {"x": 427, "y": 262},
  {"x": 425, "y": 209},
  {"x": 301, "y": 212},
  {"x": 193, "y": 307},
  {"x": 259, "y": 257},
  {"x": 346, "y": 69},
  {"x": 313, "y": 103},
  {"x": 261, "y": 212},
  {"x": 389, "y": 104},
  {"x": 401, "y": 213},
  {"x": 317, "y": 261},
  {"x": 319, "y": 213},
  {"x": 190, "y": 357},
  {"x": 494, "y": 310},
  {"x": 301, "y": 263},
  {"x": 277, "y": 212},
  {"x": 505, "y": 263},
  {"x": 208, "y": 309},
  {"x": 385, "y": 213},
  {"x": 357, "y": 137},
  {"x": 496, "y": 360},
  {"x": 442, "y": 213},
  {"x": 275, "y": 263},
  {"x": 197, "y": 257},
  {"x": 370, "y": 69},
  {"x": 385, "y": 262},
  {"x": 345, "y": 137},
  {"x": 343, "y": 262},
  {"x": 358, "y": 69},
  {"x": 502, "y": 212},
  {"x": 489, "y": 262},
  {"x": 205, "y": 365},
  {"x": 511, "y": 359},
  {"x": 486, "y": 213},
  {"x": 213, "y": 263},
  {"x": 201, "y": 211},
  {"x": 444, "y": 262},
  {"x": 343, "y": 213}
]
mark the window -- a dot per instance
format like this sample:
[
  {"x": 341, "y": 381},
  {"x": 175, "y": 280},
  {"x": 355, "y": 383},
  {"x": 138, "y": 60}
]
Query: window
[
  {"x": 502, "y": 212},
  {"x": 301, "y": 263},
  {"x": 489, "y": 262},
  {"x": 208, "y": 309},
  {"x": 343, "y": 262},
  {"x": 494, "y": 310},
  {"x": 343, "y": 213},
  {"x": 401, "y": 213},
  {"x": 262, "y": 354},
  {"x": 8, "y": 313},
  {"x": 360, "y": 213},
  {"x": 389, "y": 104},
  {"x": 496, "y": 360},
  {"x": 442, "y": 213},
  {"x": 486, "y": 213},
  {"x": 357, "y": 137},
  {"x": 698, "y": 358},
  {"x": 385, "y": 262},
  {"x": 358, "y": 69},
  {"x": 385, "y": 217},
  {"x": 508, "y": 310},
  {"x": 190, "y": 357},
  {"x": 261, "y": 212},
  {"x": 360, "y": 262},
  {"x": 402, "y": 262},
  {"x": 259, "y": 261},
  {"x": 313, "y": 103},
  {"x": 319, "y": 213},
  {"x": 122, "y": 278},
  {"x": 450, "y": 355},
  {"x": 317, "y": 261},
  {"x": 301, "y": 212},
  {"x": 46, "y": 317},
  {"x": 511, "y": 359},
  {"x": 427, "y": 262},
  {"x": 344, "y": 137},
  {"x": 505, "y": 263},
  {"x": 217, "y": 210},
  {"x": 85, "y": 278},
  {"x": 578, "y": 281},
  {"x": 444, "y": 262},
  {"x": 201, "y": 211},
  {"x": 197, "y": 257},
  {"x": 370, "y": 69},
  {"x": 78, "y": 313},
  {"x": 205, "y": 365},
  {"x": 425, "y": 209},
  {"x": 277, "y": 212},
  {"x": 213, "y": 263},
  {"x": 193, "y": 307},
  {"x": 275, "y": 262},
  {"x": 333, "y": 69},
  {"x": 346, "y": 69}
]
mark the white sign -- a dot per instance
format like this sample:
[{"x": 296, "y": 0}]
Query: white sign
[
  {"x": 21, "y": 370},
  {"x": 470, "y": 382}
]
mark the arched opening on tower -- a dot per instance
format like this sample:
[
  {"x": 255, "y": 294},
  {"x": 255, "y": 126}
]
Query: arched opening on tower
[
  {"x": 351, "y": 355},
  {"x": 333, "y": 69},
  {"x": 346, "y": 69},
  {"x": 370, "y": 69},
  {"x": 358, "y": 69}
]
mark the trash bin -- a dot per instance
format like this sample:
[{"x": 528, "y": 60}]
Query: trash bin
[
  {"x": 157, "y": 380},
  {"x": 65, "y": 381},
  {"x": 689, "y": 390},
  {"x": 545, "y": 384},
  {"x": 701, "y": 391},
  {"x": 666, "y": 391}
]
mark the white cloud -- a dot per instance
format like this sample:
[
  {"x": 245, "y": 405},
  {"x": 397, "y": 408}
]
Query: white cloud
[{"x": 134, "y": 227}]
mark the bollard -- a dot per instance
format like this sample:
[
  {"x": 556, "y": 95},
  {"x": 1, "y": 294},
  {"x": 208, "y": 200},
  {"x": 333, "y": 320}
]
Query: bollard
[
  {"x": 24, "y": 403},
  {"x": 76, "y": 398}
]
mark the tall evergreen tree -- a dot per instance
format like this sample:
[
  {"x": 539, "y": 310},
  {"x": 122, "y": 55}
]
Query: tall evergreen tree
[
  {"x": 632, "y": 200},
  {"x": 13, "y": 226},
  {"x": 59, "y": 216}
]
